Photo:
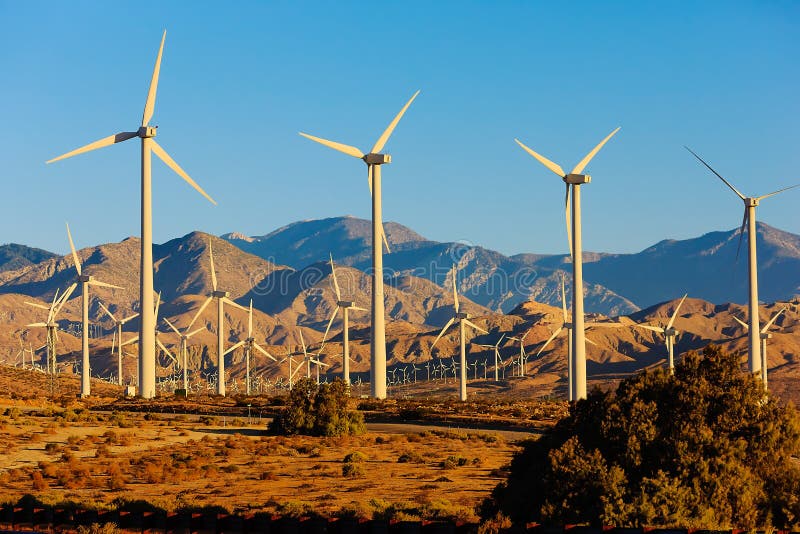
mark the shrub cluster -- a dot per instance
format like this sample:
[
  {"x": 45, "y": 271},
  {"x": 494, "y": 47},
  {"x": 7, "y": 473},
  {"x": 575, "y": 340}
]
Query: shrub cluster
[{"x": 319, "y": 410}]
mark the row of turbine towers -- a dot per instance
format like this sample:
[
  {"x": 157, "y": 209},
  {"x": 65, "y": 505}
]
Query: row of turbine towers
[{"x": 374, "y": 160}]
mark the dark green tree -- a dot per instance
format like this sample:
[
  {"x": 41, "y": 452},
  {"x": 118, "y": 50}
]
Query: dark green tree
[
  {"x": 319, "y": 410},
  {"x": 705, "y": 448}
]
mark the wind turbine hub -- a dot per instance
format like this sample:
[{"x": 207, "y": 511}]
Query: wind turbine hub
[
  {"x": 577, "y": 179},
  {"x": 84, "y": 278},
  {"x": 766, "y": 335},
  {"x": 345, "y": 303},
  {"x": 671, "y": 332},
  {"x": 377, "y": 159},
  {"x": 250, "y": 340},
  {"x": 462, "y": 315},
  {"x": 220, "y": 294},
  {"x": 146, "y": 131},
  {"x": 751, "y": 202}
]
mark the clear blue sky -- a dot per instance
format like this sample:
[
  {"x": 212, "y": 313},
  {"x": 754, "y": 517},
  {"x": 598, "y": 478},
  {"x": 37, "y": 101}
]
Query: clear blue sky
[{"x": 240, "y": 79}]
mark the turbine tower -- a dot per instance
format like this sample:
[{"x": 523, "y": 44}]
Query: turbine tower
[
  {"x": 85, "y": 281},
  {"x": 573, "y": 182},
  {"x": 669, "y": 334},
  {"x": 345, "y": 306},
  {"x": 183, "y": 352},
  {"x": 764, "y": 335},
  {"x": 147, "y": 325},
  {"x": 249, "y": 345},
  {"x": 118, "y": 325},
  {"x": 463, "y": 320},
  {"x": 374, "y": 160},
  {"x": 749, "y": 220}
]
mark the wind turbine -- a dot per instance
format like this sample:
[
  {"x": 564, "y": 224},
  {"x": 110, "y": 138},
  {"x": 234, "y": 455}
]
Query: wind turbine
[
  {"x": 669, "y": 334},
  {"x": 374, "y": 160},
  {"x": 523, "y": 357},
  {"x": 497, "y": 359},
  {"x": 249, "y": 345},
  {"x": 118, "y": 325},
  {"x": 345, "y": 306},
  {"x": 764, "y": 335},
  {"x": 185, "y": 335},
  {"x": 573, "y": 181},
  {"x": 463, "y": 320},
  {"x": 51, "y": 325},
  {"x": 749, "y": 220},
  {"x": 85, "y": 281},
  {"x": 147, "y": 325}
]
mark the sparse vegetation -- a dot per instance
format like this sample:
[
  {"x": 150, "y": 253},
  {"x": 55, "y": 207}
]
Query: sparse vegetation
[{"x": 319, "y": 410}]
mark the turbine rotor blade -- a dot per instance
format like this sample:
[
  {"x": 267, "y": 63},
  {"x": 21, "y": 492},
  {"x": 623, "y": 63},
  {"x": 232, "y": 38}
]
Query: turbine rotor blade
[
  {"x": 264, "y": 352},
  {"x": 347, "y": 149},
  {"x": 675, "y": 313},
  {"x": 36, "y": 325},
  {"x": 162, "y": 154},
  {"x": 233, "y": 347},
  {"x": 250, "y": 320},
  {"x": 107, "y": 312},
  {"x": 774, "y": 317},
  {"x": 128, "y": 318},
  {"x": 543, "y": 160},
  {"x": 590, "y": 341},
  {"x": 744, "y": 324},
  {"x": 63, "y": 299},
  {"x": 648, "y": 327},
  {"x": 98, "y": 283},
  {"x": 74, "y": 254},
  {"x": 226, "y": 300},
  {"x": 150, "y": 104},
  {"x": 568, "y": 219},
  {"x": 213, "y": 270},
  {"x": 563, "y": 299},
  {"x": 473, "y": 325},
  {"x": 549, "y": 340},
  {"x": 585, "y": 161},
  {"x": 379, "y": 144},
  {"x": 190, "y": 334},
  {"x": 444, "y": 329},
  {"x": 166, "y": 350},
  {"x": 455, "y": 290},
  {"x": 741, "y": 233},
  {"x": 172, "y": 326},
  {"x": 37, "y": 305},
  {"x": 328, "y": 328},
  {"x": 101, "y": 143},
  {"x": 335, "y": 282},
  {"x": 199, "y": 311},
  {"x": 762, "y": 197},
  {"x": 715, "y": 172}
]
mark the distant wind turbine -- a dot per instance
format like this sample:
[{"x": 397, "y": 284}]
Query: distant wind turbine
[
  {"x": 118, "y": 325},
  {"x": 764, "y": 335},
  {"x": 345, "y": 306},
  {"x": 669, "y": 334},
  {"x": 250, "y": 344},
  {"x": 147, "y": 133},
  {"x": 185, "y": 335},
  {"x": 463, "y": 320},
  {"x": 85, "y": 281},
  {"x": 497, "y": 359},
  {"x": 51, "y": 325},
  {"x": 749, "y": 220},
  {"x": 374, "y": 160},
  {"x": 575, "y": 179}
]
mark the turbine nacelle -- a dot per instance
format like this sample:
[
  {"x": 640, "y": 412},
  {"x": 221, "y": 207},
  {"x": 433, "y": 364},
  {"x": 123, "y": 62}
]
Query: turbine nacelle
[
  {"x": 671, "y": 332},
  {"x": 220, "y": 294},
  {"x": 766, "y": 335},
  {"x": 146, "y": 131},
  {"x": 345, "y": 303},
  {"x": 462, "y": 315},
  {"x": 377, "y": 159},
  {"x": 751, "y": 202},
  {"x": 577, "y": 179},
  {"x": 85, "y": 279}
]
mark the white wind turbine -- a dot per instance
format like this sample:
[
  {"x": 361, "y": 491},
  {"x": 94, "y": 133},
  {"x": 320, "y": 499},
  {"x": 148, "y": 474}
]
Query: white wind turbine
[
  {"x": 764, "y": 335},
  {"x": 497, "y": 359},
  {"x": 85, "y": 281},
  {"x": 374, "y": 160},
  {"x": 669, "y": 333},
  {"x": 118, "y": 325},
  {"x": 523, "y": 357},
  {"x": 749, "y": 220},
  {"x": 147, "y": 325},
  {"x": 185, "y": 335},
  {"x": 463, "y": 320},
  {"x": 51, "y": 325},
  {"x": 157, "y": 341},
  {"x": 345, "y": 306},
  {"x": 249, "y": 345},
  {"x": 573, "y": 181}
]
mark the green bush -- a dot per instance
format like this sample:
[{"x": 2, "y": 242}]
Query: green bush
[
  {"x": 319, "y": 410},
  {"x": 706, "y": 448}
]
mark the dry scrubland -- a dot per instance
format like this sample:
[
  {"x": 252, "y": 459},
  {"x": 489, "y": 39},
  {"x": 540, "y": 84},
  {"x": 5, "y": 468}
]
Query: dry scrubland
[{"x": 106, "y": 459}]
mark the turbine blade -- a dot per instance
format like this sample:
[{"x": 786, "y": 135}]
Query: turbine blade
[
  {"x": 589, "y": 341},
  {"x": 549, "y": 340},
  {"x": 37, "y": 305},
  {"x": 158, "y": 304},
  {"x": 499, "y": 341},
  {"x": 563, "y": 299},
  {"x": 715, "y": 172},
  {"x": 444, "y": 329},
  {"x": 328, "y": 328},
  {"x": 213, "y": 270},
  {"x": 98, "y": 283},
  {"x": 455, "y": 290},
  {"x": 379, "y": 144},
  {"x": 233, "y": 347},
  {"x": 74, "y": 254},
  {"x": 226, "y": 300},
  {"x": 774, "y": 317},
  {"x": 347, "y": 149},
  {"x": 263, "y": 351},
  {"x": 172, "y": 326},
  {"x": 648, "y": 327},
  {"x": 36, "y": 324},
  {"x": 161, "y": 153},
  {"x": 778, "y": 191},
  {"x": 543, "y": 160},
  {"x": 744, "y": 324},
  {"x": 128, "y": 318},
  {"x": 104, "y": 142},
  {"x": 199, "y": 311},
  {"x": 134, "y": 339},
  {"x": 585, "y": 161},
  {"x": 190, "y": 334},
  {"x": 166, "y": 350},
  {"x": 385, "y": 241},
  {"x": 335, "y": 282},
  {"x": 107, "y": 312},
  {"x": 63, "y": 299},
  {"x": 359, "y": 308},
  {"x": 150, "y": 104},
  {"x": 312, "y": 360},
  {"x": 473, "y": 325},
  {"x": 568, "y": 219},
  {"x": 741, "y": 234},
  {"x": 675, "y": 313},
  {"x": 250, "y": 320},
  {"x": 302, "y": 341}
]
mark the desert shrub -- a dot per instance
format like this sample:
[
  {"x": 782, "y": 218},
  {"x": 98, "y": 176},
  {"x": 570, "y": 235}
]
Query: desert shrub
[
  {"x": 116, "y": 480},
  {"x": 99, "y": 528},
  {"x": 319, "y": 410},
  {"x": 495, "y": 525},
  {"x": 451, "y": 462},
  {"x": 705, "y": 448},
  {"x": 411, "y": 457},
  {"x": 39, "y": 483},
  {"x": 352, "y": 464}
]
